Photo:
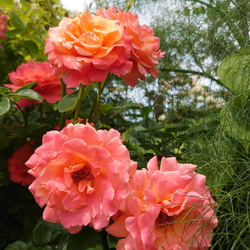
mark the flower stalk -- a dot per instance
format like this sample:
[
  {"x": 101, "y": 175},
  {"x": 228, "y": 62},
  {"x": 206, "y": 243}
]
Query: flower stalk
[
  {"x": 63, "y": 115},
  {"x": 80, "y": 97},
  {"x": 95, "y": 108}
]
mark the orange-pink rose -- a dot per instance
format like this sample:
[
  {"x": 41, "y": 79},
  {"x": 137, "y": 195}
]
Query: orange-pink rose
[
  {"x": 3, "y": 28},
  {"x": 48, "y": 85},
  {"x": 170, "y": 208},
  {"x": 16, "y": 165},
  {"x": 87, "y": 47},
  {"x": 145, "y": 46},
  {"x": 81, "y": 175}
]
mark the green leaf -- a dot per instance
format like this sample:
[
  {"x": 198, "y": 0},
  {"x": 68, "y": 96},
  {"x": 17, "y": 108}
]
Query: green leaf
[
  {"x": 105, "y": 108},
  {"x": 112, "y": 241},
  {"x": 146, "y": 110},
  {"x": 13, "y": 33},
  {"x": 97, "y": 247},
  {"x": 42, "y": 234},
  {"x": 234, "y": 72},
  {"x": 125, "y": 106},
  {"x": 4, "y": 105},
  {"x": 88, "y": 89},
  {"x": 44, "y": 248},
  {"x": 17, "y": 245},
  {"x": 8, "y": 3},
  {"x": 26, "y": 86},
  {"x": 67, "y": 103},
  {"x": 25, "y": 4},
  {"x": 4, "y": 91},
  {"x": 37, "y": 130},
  {"x": 27, "y": 94},
  {"x": 235, "y": 119},
  {"x": 132, "y": 141},
  {"x": 87, "y": 238},
  {"x": 62, "y": 244},
  {"x": 16, "y": 21},
  {"x": 4, "y": 141},
  {"x": 31, "y": 47}
]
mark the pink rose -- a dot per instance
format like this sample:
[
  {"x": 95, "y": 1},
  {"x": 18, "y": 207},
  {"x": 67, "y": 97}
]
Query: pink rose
[
  {"x": 87, "y": 47},
  {"x": 48, "y": 85},
  {"x": 82, "y": 176},
  {"x": 145, "y": 45},
  {"x": 3, "y": 28},
  {"x": 17, "y": 170},
  {"x": 170, "y": 208}
]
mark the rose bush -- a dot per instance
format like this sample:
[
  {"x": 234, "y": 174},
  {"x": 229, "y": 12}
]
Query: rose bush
[
  {"x": 170, "y": 208},
  {"x": 16, "y": 165},
  {"x": 48, "y": 85},
  {"x": 144, "y": 45},
  {"x": 87, "y": 47},
  {"x": 81, "y": 175}
]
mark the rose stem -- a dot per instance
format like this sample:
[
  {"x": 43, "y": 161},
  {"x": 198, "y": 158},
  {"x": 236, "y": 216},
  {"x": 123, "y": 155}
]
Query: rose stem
[
  {"x": 95, "y": 107},
  {"x": 62, "y": 117},
  {"x": 81, "y": 92}
]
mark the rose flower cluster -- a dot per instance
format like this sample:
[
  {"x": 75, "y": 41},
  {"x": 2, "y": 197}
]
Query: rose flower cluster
[
  {"x": 83, "y": 176},
  {"x": 89, "y": 46}
]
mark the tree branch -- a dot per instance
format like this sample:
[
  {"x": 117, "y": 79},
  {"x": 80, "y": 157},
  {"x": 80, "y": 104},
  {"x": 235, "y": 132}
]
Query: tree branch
[{"x": 204, "y": 74}]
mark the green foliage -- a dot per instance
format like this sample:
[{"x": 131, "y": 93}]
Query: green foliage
[
  {"x": 28, "y": 25},
  {"x": 17, "y": 245},
  {"x": 88, "y": 239},
  {"x": 226, "y": 166},
  {"x": 67, "y": 103},
  {"x": 27, "y": 94},
  {"x": 4, "y": 105},
  {"x": 234, "y": 73},
  {"x": 42, "y": 234},
  {"x": 235, "y": 119}
]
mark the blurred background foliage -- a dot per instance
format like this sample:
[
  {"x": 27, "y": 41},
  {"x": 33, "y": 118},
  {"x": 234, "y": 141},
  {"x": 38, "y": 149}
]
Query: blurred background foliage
[{"x": 197, "y": 110}]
